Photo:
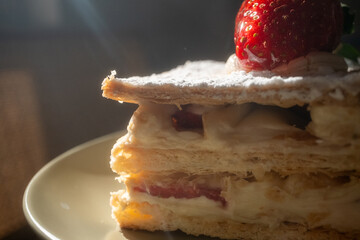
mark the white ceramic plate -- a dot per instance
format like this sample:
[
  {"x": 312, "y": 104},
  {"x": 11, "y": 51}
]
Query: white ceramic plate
[{"x": 69, "y": 197}]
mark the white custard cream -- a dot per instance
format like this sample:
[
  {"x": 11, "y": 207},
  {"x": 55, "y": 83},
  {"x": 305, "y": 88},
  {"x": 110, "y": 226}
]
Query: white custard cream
[{"x": 224, "y": 127}]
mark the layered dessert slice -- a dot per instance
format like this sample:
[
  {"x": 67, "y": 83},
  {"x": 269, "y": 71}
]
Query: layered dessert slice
[
  {"x": 239, "y": 155},
  {"x": 265, "y": 146}
]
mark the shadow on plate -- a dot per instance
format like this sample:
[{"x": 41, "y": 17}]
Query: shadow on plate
[{"x": 157, "y": 235}]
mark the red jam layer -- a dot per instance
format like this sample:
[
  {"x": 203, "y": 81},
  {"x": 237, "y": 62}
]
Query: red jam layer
[
  {"x": 187, "y": 192},
  {"x": 185, "y": 121}
]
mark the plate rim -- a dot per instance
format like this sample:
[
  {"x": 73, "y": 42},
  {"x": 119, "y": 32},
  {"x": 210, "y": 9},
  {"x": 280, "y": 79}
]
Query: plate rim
[{"x": 31, "y": 220}]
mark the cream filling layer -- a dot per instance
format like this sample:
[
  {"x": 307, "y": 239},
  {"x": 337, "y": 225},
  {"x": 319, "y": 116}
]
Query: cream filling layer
[
  {"x": 266, "y": 203},
  {"x": 224, "y": 127},
  {"x": 234, "y": 128}
]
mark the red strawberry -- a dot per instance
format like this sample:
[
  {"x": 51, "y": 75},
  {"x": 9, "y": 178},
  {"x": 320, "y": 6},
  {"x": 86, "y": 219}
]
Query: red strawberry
[
  {"x": 269, "y": 33},
  {"x": 185, "y": 121}
]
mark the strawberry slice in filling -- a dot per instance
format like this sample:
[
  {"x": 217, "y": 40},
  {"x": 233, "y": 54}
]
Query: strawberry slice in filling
[
  {"x": 186, "y": 121},
  {"x": 181, "y": 192}
]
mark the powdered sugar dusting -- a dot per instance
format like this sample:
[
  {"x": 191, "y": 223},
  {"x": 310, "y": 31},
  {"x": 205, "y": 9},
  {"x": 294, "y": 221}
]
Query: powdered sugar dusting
[{"x": 204, "y": 75}]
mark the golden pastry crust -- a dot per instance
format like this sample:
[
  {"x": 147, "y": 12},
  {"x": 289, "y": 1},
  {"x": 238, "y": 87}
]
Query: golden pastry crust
[{"x": 126, "y": 159}]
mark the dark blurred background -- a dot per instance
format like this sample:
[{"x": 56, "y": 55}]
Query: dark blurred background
[{"x": 54, "y": 55}]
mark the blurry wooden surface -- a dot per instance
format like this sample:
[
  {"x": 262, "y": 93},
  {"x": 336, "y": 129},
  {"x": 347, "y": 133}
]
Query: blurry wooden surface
[{"x": 22, "y": 148}]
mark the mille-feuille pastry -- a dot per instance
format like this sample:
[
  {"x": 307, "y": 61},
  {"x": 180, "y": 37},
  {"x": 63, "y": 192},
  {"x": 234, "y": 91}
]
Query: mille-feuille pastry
[{"x": 261, "y": 147}]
